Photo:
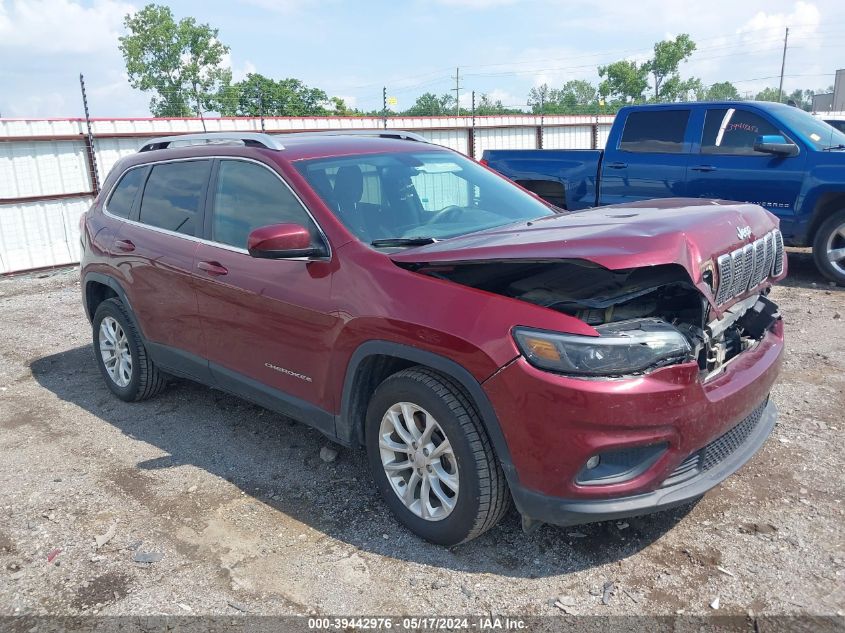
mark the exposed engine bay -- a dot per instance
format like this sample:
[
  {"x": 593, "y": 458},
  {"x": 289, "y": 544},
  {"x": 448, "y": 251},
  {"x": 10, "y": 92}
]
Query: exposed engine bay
[{"x": 599, "y": 296}]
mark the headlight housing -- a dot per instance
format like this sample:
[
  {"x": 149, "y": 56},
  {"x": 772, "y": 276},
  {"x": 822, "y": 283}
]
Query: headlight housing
[{"x": 624, "y": 347}]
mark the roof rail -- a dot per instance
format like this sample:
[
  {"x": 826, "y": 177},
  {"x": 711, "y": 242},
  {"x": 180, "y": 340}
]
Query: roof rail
[
  {"x": 250, "y": 139},
  {"x": 396, "y": 134}
]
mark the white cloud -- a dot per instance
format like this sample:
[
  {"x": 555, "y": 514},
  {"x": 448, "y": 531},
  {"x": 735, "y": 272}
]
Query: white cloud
[
  {"x": 61, "y": 26},
  {"x": 239, "y": 73},
  {"x": 475, "y": 4}
]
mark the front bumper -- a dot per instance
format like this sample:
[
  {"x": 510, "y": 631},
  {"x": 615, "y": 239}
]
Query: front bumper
[
  {"x": 553, "y": 424},
  {"x": 557, "y": 511}
]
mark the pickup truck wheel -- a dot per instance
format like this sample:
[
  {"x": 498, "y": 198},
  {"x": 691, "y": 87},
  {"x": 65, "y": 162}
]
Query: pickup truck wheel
[
  {"x": 128, "y": 370},
  {"x": 431, "y": 458},
  {"x": 829, "y": 247}
]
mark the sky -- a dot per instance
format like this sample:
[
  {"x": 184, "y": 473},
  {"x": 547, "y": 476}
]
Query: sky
[{"x": 353, "y": 49}]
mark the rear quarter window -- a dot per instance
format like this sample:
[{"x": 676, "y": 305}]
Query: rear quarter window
[
  {"x": 123, "y": 197},
  {"x": 173, "y": 195},
  {"x": 655, "y": 132}
]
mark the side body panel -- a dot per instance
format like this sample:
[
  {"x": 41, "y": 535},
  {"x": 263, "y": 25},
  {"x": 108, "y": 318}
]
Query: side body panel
[{"x": 576, "y": 170}]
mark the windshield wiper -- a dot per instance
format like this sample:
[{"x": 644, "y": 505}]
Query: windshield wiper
[
  {"x": 833, "y": 147},
  {"x": 403, "y": 241}
]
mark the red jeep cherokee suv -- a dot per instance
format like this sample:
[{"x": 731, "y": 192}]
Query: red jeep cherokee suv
[{"x": 480, "y": 344}]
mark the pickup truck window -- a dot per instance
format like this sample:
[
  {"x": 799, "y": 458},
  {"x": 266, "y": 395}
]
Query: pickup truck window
[
  {"x": 733, "y": 131},
  {"x": 655, "y": 131},
  {"x": 811, "y": 130}
]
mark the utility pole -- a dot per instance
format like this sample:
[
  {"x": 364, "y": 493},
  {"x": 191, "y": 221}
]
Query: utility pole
[
  {"x": 783, "y": 66},
  {"x": 457, "y": 91},
  {"x": 199, "y": 108},
  {"x": 384, "y": 105},
  {"x": 261, "y": 106}
]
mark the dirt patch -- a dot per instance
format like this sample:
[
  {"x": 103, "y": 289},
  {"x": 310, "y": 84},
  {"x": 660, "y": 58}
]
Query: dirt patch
[{"x": 102, "y": 590}]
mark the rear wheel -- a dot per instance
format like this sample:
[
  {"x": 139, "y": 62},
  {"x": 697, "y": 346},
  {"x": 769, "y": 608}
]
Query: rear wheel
[
  {"x": 128, "y": 370},
  {"x": 431, "y": 458},
  {"x": 829, "y": 247}
]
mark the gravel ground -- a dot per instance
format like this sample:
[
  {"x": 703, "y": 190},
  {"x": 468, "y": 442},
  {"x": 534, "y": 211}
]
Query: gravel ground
[{"x": 238, "y": 513}]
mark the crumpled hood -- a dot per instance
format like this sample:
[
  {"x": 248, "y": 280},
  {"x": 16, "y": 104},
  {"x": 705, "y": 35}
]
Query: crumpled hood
[{"x": 685, "y": 231}]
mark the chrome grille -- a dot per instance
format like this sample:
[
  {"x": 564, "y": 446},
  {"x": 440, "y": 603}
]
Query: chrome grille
[
  {"x": 738, "y": 272},
  {"x": 748, "y": 266},
  {"x": 778, "y": 268},
  {"x": 725, "y": 277},
  {"x": 770, "y": 252}
]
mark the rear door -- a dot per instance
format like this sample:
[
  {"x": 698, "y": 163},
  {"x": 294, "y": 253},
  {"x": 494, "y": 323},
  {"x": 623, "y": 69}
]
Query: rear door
[
  {"x": 724, "y": 164},
  {"x": 268, "y": 322},
  {"x": 157, "y": 246},
  {"x": 649, "y": 159}
]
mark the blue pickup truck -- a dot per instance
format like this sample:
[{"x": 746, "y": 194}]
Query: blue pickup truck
[{"x": 769, "y": 154}]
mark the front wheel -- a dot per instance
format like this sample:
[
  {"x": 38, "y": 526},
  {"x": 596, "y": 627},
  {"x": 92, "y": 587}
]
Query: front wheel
[
  {"x": 829, "y": 247},
  {"x": 431, "y": 458}
]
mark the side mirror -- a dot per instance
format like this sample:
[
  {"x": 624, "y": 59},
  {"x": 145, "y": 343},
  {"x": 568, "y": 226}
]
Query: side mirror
[
  {"x": 282, "y": 241},
  {"x": 775, "y": 144}
]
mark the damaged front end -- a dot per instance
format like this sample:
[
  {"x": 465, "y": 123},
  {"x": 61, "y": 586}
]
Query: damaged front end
[{"x": 645, "y": 317}]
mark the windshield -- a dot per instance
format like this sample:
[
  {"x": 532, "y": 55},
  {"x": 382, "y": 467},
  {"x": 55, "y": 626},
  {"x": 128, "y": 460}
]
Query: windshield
[
  {"x": 406, "y": 195},
  {"x": 813, "y": 131}
]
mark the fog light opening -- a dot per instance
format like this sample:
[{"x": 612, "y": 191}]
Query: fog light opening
[{"x": 592, "y": 462}]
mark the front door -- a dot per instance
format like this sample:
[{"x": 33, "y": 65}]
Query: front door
[
  {"x": 724, "y": 164},
  {"x": 267, "y": 322},
  {"x": 650, "y": 159}
]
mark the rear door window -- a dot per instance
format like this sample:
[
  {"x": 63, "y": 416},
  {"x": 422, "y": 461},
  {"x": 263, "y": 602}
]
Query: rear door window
[
  {"x": 734, "y": 131},
  {"x": 655, "y": 131},
  {"x": 123, "y": 197},
  {"x": 174, "y": 195}
]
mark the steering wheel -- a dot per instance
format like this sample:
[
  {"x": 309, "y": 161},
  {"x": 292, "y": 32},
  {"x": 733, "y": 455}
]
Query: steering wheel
[{"x": 452, "y": 212}]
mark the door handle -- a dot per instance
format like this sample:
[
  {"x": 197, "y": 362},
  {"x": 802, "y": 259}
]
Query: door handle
[
  {"x": 125, "y": 245},
  {"x": 213, "y": 268},
  {"x": 703, "y": 168},
  {"x": 617, "y": 165}
]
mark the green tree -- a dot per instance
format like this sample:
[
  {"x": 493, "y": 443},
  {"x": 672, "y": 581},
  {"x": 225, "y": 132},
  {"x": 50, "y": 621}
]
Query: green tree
[
  {"x": 576, "y": 95},
  {"x": 180, "y": 62},
  {"x": 286, "y": 97},
  {"x": 487, "y": 105},
  {"x": 668, "y": 55},
  {"x": 625, "y": 81},
  {"x": 338, "y": 107},
  {"x": 539, "y": 98},
  {"x": 722, "y": 91},
  {"x": 429, "y": 104},
  {"x": 768, "y": 94}
]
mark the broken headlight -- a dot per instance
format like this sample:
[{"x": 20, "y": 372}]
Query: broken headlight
[{"x": 624, "y": 347}]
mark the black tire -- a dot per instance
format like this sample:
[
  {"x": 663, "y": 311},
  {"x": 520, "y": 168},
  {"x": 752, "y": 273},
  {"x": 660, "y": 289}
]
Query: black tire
[
  {"x": 828, "y": 230},
  {"x": 483, "y": 497},
  {"x": 146, "y": 380}
]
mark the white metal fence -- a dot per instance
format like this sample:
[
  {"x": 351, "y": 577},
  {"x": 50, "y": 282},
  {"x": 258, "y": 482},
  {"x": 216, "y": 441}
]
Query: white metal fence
[{"x": 46, "y": 165}]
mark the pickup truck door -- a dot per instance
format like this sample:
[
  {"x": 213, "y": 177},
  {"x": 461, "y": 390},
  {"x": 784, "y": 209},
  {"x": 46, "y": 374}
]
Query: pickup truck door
[
  {"x": 724, "y": 164},
  {"x": 648, "y": 159}
]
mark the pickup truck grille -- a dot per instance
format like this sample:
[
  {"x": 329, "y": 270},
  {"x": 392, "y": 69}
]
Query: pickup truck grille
[{"x": 748, "y": 266}]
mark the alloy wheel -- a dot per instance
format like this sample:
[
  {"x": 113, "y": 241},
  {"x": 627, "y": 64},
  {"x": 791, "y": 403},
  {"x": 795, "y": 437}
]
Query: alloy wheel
[
  {"x": 114, "y": 349},
  {"x": 419, "y": 461},
  {"x": 835, "y": 249}
]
